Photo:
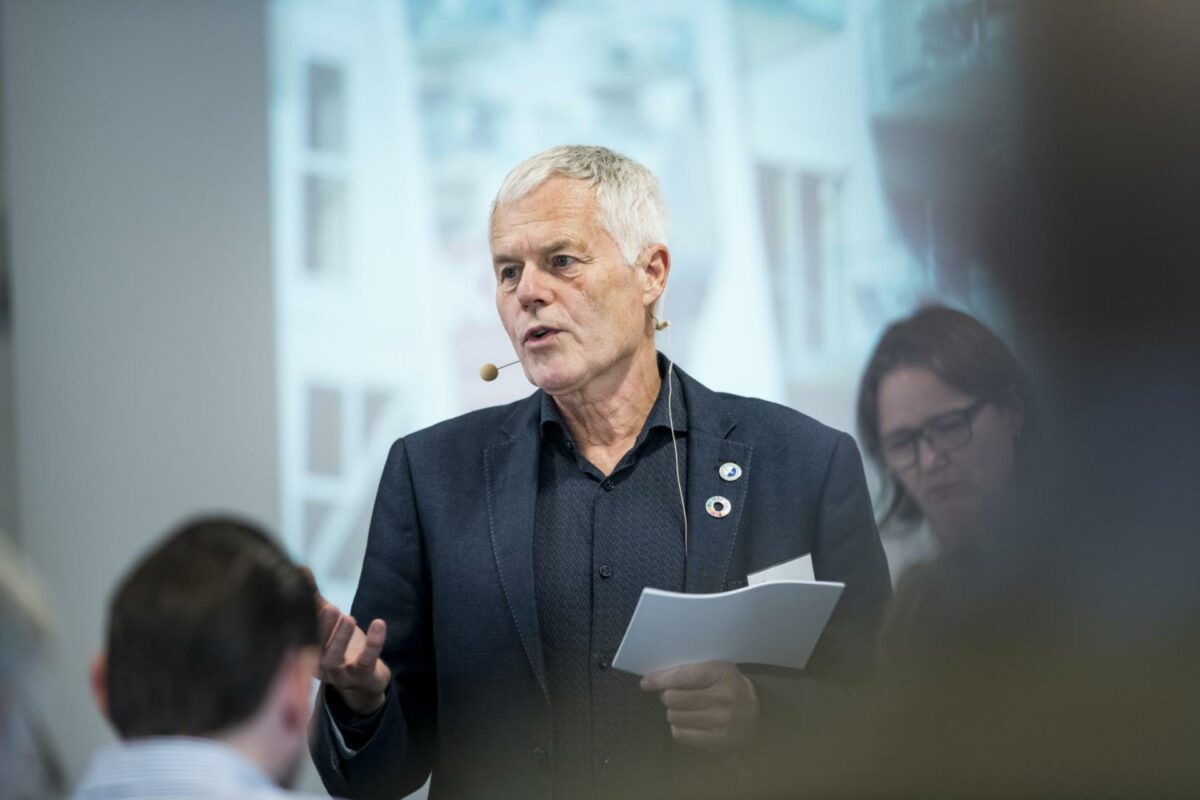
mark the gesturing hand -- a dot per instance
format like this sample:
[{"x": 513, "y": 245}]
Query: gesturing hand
[
  {"x": 709, "y": 705},
  {"x": 350, "y": 659}
]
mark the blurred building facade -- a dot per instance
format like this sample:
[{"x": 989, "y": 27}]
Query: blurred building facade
[{"x": 393, "y": 124}]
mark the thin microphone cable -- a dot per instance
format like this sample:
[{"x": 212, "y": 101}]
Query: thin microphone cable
[{"x": 674, "y": 441}]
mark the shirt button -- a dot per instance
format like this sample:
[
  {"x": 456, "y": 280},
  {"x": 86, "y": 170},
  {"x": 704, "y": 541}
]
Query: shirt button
[
  {"x": 603, "y": 662},
  {"x": 539, "y": 756},
  {"x": 605, "y": 571},
  {"x": 606, "y": 761},
  {"x": 570, "y": 445},
  {"x": 607, "y": 485}
]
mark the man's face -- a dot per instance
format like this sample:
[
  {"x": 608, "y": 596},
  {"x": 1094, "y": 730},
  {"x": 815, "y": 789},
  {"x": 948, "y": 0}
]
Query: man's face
[{"x": 574, "y": 310}]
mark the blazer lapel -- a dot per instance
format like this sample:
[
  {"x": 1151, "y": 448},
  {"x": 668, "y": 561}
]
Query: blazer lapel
[
  {"x": 510, "y": 469},
  {"x": 711, "y": 539}
]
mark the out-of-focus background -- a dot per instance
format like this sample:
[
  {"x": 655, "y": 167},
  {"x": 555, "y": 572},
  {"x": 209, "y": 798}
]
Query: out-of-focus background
[{"x": 244, "y": 242}]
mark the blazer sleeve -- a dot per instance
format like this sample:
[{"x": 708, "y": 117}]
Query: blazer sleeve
[
  {"x": 847, "y": 548},
  {"x": 394, "y": 587}
]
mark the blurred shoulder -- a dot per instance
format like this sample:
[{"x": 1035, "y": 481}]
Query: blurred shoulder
[
  {"x": 766, "y": 419},
  {"x": 477, "y": 428}
]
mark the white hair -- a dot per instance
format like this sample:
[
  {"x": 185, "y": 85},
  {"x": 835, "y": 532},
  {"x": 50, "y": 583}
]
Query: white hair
[{"x": 628, "y": 196}]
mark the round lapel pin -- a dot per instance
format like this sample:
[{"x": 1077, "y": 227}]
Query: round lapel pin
[
  {"x": 718, "y": 506},
  {"x": 729, "y": 471}
]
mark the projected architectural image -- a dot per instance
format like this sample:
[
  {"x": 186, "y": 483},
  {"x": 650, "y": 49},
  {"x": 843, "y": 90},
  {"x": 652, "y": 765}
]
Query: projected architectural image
[{"x": 393, "y": 124}]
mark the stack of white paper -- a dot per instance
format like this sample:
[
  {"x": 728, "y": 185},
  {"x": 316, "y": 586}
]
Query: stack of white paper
[{"x": 774, "y": 622}]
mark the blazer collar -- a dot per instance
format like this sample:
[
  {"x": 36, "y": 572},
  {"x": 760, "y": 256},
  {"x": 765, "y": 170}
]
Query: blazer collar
[
  {"x": 711, "y": 444},
  {"x": 510, "y": 466}
]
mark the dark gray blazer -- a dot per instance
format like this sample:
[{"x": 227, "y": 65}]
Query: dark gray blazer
[{"x": 449, "y": 567}]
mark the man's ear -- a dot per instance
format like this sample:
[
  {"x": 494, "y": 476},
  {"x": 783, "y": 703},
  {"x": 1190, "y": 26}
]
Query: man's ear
[
  {"x": 98, "y": 680},
  {"x": 655, "y": 271},
  {"x": 296, "y": 686}
]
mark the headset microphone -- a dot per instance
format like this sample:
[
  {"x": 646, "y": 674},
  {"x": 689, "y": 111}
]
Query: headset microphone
[{"x": 489, "y": 372}]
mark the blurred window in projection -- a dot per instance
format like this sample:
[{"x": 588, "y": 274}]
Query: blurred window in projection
[
  {"x": 325, "y": 175},
  {"x": 394, "y": 122}
]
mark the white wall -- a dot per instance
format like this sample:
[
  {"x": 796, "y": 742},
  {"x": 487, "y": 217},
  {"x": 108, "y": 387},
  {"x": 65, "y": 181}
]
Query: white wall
[{"x": 143, "y": 333}]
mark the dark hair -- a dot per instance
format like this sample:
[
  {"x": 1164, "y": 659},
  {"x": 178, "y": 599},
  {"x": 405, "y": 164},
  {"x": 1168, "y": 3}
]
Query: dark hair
[
  {"x": 957, "y": 348},
  {"x": 198, "y": 630}
]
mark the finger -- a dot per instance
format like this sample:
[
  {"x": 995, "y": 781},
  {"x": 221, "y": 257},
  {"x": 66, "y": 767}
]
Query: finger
[
  {"x": 702, "y": 739},
  {"x": 376, "y": 636},
  {"x": 661, "y": 680},
  {"x": 334, "y": 655},
  {"x": 656, "y": 681},
  {"x": 709, "y": 719},
  {"x": 691, "y": 699},
  {"x": 700, "y": 675},
  {"x": 327, "y": 618}
]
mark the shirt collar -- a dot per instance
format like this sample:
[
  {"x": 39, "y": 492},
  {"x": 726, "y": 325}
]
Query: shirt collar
[
  {"x": 551, "y": 419},
  {"x": 180, "y": 763}
]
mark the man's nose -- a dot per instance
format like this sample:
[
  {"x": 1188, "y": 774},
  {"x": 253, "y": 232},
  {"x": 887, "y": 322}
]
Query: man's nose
[{"x": 534, "y": 287}]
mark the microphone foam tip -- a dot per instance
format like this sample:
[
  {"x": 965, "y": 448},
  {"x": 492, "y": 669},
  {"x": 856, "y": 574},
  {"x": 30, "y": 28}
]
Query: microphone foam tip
[{"x": 489, "y": 372}]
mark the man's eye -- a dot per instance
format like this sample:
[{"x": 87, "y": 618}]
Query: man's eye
[
  {"x": 509, "y": 273},
  {"x": 561, "y": 262}
]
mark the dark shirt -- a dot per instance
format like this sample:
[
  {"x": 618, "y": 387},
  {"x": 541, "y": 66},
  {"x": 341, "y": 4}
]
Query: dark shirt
[{"x": 598, "y": 541}]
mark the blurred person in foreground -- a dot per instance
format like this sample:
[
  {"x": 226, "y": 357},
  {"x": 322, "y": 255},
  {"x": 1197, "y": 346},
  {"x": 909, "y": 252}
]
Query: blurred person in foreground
[
  {"x": 509, "y": 547},
  {"x": 1067, "y": 665},
  {"x": 208, "y": 668},
  {"x": 29, "y": 768}
]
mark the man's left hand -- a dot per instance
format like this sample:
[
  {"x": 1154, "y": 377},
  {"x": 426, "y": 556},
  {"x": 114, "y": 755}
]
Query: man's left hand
[{"x": 709, "y": 705}]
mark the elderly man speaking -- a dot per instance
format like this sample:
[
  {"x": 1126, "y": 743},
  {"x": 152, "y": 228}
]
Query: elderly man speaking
[{"x": 509, "y": 547}]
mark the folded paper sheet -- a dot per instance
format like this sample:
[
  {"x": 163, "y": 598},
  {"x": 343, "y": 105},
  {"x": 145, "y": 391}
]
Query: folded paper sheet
[
  {"x": 777, "y": 623},
  {"x": 798, "y": 569}
]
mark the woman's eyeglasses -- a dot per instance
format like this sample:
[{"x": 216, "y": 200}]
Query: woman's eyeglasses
[{"x": 944, "y": 432}]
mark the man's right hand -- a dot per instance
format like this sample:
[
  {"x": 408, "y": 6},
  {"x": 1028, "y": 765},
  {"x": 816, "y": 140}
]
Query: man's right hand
[{"x": 350, "y": 659}]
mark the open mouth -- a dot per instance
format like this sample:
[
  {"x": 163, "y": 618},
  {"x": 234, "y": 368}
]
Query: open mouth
[{"x": 539, "y": 334}]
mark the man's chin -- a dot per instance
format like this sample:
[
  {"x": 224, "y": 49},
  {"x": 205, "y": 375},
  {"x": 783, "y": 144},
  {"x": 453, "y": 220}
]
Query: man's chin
[{"x": 552, "y": 381}]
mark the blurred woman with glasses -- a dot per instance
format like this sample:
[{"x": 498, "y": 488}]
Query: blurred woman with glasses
[{"x": 941, "y": 409}]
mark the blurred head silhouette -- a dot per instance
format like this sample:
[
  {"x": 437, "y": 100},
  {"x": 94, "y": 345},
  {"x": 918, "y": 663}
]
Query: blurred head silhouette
[{"x": 213, "y": 634}]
